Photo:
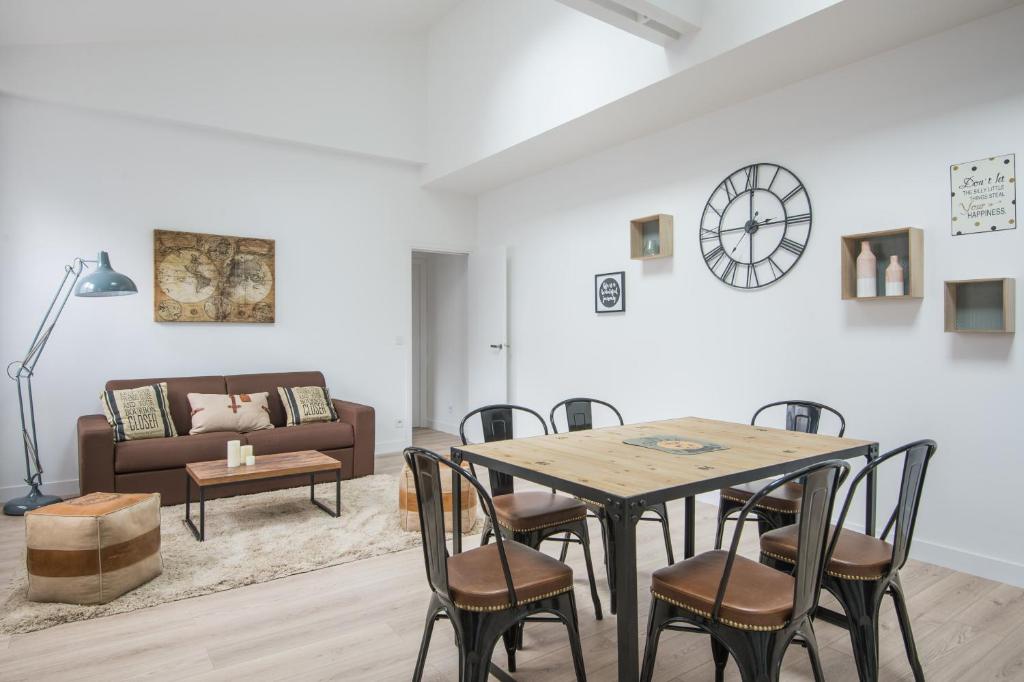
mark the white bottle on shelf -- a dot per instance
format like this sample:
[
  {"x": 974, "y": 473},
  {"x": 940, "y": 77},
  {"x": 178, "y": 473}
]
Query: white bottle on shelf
[
  {"x": 894, "y": 277},
  {"x": 867, "y": 278}
]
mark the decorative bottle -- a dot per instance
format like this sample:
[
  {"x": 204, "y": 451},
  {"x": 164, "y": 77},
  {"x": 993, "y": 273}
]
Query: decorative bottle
[
  {"x": 894, "y": 277},
  {"x": 867, "y": 278}
]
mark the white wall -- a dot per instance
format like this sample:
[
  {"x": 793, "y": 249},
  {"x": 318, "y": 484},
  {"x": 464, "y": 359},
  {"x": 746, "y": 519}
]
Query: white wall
[
  {"x": 446, "y": 340},
  {"x": 73, "y": 182},
  {"x": 358, "y": 95},
  {"x": 873, "y": 143}
]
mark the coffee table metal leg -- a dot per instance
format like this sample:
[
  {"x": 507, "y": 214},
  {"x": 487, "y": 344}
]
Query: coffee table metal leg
[
  {"x": 336, "y": 512},
  {"x": 196, "y": 532}
]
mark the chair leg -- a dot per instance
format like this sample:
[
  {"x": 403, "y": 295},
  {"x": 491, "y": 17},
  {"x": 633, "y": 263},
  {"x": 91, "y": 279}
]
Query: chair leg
[
  {"x": 585, "y": 537},
  {"x": 758, "y": 655},
  {"x": 565, "y": 548},
  {"x": 662, "y": 511},
  {"x": 478, "y": 633},
  {"x": 807, "y": 633},
  {"x": 659, "y": 612},
  {"x": 509, "y": 639},
  {"x": 608, "y": 540},
  {"x": 725, "y": 507},
  {"x": 896, "y": 590},
  {"x": 485, "y": 534},
  {"x": 433, "y": 611},
  {"x": 721, "y": 656},
  {"x": 861, "y": 600},
  {"x": 567, "y": 609}
]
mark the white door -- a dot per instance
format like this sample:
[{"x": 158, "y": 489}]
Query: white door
[{"x": 487, "y": 327}]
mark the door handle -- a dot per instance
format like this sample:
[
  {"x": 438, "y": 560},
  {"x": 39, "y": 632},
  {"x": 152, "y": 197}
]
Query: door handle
[{"x": 497, "y": 346}]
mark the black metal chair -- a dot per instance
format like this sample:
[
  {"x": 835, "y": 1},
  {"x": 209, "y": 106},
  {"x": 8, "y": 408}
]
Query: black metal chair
[
  {"x": 488, "y": 591},
  {"x": 530, "y": 517},
  {"x": 752, "y": 611},
  {"x": 862, "y": 569},
  {"x": 781, "y": 507},
  {"x": 579, "y": 417}
]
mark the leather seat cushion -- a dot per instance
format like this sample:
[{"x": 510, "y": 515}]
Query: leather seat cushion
[
  {"x": 757, "y": 597},
  {"x": 535, "y": 509},
  {"x": 857, "y": 556},
  {"x": 785, "y": 499},
  {"x": 476, "y": 581},
  {"x": 314, "y": 436},
  {"x": 153, "y": 454}
]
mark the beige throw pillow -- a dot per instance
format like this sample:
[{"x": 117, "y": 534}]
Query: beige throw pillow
[
  {"x": 138, "y": 413},
  {"x": 219, "y": 412}
]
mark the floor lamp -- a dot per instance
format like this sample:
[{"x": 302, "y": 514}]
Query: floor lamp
[{"x": 103, "y": 281}]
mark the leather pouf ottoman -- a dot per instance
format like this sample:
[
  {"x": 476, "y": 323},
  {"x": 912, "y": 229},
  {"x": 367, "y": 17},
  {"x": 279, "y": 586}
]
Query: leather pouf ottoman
[
  {"x": 93, "y": 549},
  {"x": 409, "y": 509}
]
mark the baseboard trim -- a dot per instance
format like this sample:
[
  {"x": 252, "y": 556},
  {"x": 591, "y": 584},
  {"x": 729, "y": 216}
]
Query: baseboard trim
[
  {"x": 67, "y": 488},
  {"x": 386, "y": 447},
  {"x": 443, "y": 427}
]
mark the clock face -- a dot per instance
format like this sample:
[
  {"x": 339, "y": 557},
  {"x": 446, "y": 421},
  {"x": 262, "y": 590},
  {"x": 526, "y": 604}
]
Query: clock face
[{"x": 755, "y": 226}]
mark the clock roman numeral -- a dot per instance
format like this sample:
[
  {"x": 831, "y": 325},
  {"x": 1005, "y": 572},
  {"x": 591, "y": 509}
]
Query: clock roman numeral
[
  {"x": 716, "y": 254},
  {"x": 751, "y": 177},
  {"x": 730, "y": 272},
  {"x": 777, "y": 169},
  {"x": 773, "y": 267},
  {"x": 792, "y": 193},
  {"x": 706, "y": 234},
  {"x": 794, "y": 247},
  {"x": 730, "y": 188},
  {"x": 798, "y": 218}
]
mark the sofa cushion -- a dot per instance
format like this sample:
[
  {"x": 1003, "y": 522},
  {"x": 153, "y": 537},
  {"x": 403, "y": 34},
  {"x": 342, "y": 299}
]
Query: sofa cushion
[
  {"x": 258, "y": 383},
  {"x": 170, "y": 453},
  {"x": 306, "y": 404},
  {"x": 316, "y": 436},
  {"x": 138, "y": 413},
  {"x": 177, "y": 394}
]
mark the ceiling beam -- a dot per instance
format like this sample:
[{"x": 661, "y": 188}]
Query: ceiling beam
[{"x": 659, "y": 21}]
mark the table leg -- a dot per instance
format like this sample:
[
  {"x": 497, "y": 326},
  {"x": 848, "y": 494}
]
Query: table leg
[
  {"x": 870, "y": 491},
  {"x": 202, "y": 513},
  {"x": 690, "y": 530},
  {"x": 336, "y": 512},
  {"x": 196, "y": 532},
  {"x": 623, "y": 522},
  {"x": 337, "y": 491},
  {"x": 457, "y": 506}
]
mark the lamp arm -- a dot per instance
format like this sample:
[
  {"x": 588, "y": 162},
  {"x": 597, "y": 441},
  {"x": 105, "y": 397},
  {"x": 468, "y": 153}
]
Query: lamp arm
[{"x": 22, "y": 370}]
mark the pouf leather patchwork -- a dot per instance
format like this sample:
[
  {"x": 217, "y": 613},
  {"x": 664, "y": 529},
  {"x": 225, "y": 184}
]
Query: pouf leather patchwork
[
  {"x": 94, "y": 548},
  {"x": 409, "y": 508}
]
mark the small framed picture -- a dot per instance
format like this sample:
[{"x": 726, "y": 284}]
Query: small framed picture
[{"x": 610, "y": 292}]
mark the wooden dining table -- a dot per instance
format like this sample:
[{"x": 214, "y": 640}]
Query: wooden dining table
[{"x": 696, "y": 456}]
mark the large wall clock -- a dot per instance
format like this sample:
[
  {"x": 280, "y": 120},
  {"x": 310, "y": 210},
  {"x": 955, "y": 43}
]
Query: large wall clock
[{"x": 755, "y": 226}]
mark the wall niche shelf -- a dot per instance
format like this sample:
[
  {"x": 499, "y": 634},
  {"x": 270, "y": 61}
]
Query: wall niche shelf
[
  {"x": 980, "y": 305},
  {"x": 650, "y": 237},
  {"x": 906, "y": 243}
]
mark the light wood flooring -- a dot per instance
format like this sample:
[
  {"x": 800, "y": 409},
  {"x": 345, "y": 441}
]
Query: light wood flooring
[{"x": 362, "y": 621}]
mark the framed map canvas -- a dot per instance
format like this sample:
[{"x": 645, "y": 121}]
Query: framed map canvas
[{"x": 212, "y": 278}]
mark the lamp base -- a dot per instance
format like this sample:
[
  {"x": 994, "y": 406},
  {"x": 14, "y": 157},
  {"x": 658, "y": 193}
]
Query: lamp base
[{"x": 34, "y": 500}]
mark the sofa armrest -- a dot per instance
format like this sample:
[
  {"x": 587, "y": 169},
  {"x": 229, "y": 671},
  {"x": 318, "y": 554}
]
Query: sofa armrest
[
  {"x": 362, "y": 419},
  {"x": 95, "y": 454}
]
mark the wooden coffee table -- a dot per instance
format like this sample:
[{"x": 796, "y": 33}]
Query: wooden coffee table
[{"x": 217, "y": 473}]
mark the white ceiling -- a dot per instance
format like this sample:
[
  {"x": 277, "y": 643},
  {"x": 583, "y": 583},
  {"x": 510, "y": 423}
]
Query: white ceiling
[{"x": 27, "y": 22}]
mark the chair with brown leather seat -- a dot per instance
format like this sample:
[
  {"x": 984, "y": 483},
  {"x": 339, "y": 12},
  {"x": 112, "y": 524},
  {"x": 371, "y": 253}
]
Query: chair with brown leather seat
[
  {"x": 862, "y": 569},
  {"x": 752, "y": 611},
  {"x": 488, "y": 591},
  {"x": 579, "y": 416},
  {"x": 530, "y": 517},
  {"x": 782, "y": 506}
]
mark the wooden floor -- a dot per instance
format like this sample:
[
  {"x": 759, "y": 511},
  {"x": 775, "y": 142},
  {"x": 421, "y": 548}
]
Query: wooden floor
[{"x": 362, "y": 621}]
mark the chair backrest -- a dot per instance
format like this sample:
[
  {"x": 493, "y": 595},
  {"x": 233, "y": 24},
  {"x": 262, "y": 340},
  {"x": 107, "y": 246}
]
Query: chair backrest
[
  {"x": 820, "y": 481},
  {"x": 426, "y": 473},
  {"x": 803, "y": 415},
  {"x": 579, "y": 415},
  {"x": 917, "y": 456},
  {"x": 496, "y": 422}
]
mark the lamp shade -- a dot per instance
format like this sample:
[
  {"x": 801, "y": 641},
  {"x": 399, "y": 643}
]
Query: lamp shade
[{"x": 105, "y": 281}]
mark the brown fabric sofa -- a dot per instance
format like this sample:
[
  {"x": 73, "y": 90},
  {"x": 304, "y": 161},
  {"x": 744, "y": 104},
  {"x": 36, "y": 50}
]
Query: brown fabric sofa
[{"x": 157, "y": 465}]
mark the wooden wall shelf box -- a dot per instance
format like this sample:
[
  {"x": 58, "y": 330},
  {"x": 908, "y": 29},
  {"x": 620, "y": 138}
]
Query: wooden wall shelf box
[
  {"x": 650, "y": 237},
  {"x": 980, "y": 305},
  {"x": 906, "y": 243}
]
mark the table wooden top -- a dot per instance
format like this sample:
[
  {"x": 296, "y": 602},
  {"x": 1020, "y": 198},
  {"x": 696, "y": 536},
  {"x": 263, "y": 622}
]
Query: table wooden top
[
  {"x": 266, "y": 466},
  {"x": 599, "y": 461}
]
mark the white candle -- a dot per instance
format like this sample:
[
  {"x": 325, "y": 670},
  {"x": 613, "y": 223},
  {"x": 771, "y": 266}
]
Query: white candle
[
  {"x": 247, "y": 456},
  {"x": 234, "y": 453},
  {"x": 250, "y": 460}
]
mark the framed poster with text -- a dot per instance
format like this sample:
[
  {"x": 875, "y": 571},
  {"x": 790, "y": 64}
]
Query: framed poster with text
[
  {"x": 610, "y": 292},
  {"x": 983, "y": 195}
]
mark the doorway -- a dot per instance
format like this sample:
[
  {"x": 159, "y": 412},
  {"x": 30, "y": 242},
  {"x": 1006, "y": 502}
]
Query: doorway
[{"x": 438, "y": 342}]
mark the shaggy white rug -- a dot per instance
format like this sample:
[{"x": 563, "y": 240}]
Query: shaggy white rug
[{"x": 249, "y": 539}]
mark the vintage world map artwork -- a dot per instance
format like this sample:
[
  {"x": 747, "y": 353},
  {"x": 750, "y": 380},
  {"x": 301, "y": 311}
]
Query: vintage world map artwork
[{"x": 212, "y": 278}]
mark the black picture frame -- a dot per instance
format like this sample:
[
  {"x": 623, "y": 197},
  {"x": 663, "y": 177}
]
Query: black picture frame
[{"x": 619, "y": 304}]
